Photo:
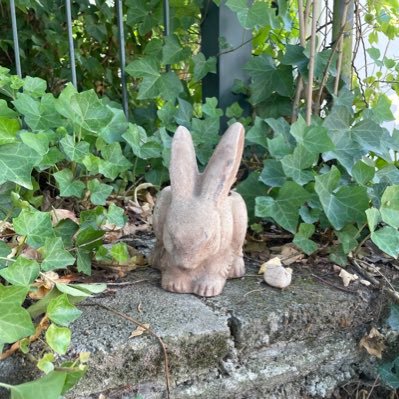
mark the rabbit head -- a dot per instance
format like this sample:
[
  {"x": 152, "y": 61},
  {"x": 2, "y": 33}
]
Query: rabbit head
[{"x": 199, "y": 221}]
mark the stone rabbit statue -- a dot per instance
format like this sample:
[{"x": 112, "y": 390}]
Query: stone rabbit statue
[{"x": 199, "y": 223}]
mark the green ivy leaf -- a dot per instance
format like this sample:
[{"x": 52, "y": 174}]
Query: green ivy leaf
[
  {"x": 267, "y": 78},
  {"x": 8, "y": 130},
  {"x": 382, "y": 109},
  {"x": 302, "y": 240},
  {"x": 346, "y": 205},
  {"x": 144, "y": 67},
  {"x": 348, "y": 238},
  {"x": 46, "y": 363},
  {"x": 389, "y": 373},
  {"x": 143, "y": 146},
  {"x": 315, "y": 140},
  {"x": 120, "y": 252},
  {"x": 203, "y": 66},
  {"x": 173, "y": 52},
  {"x": 284, "y": 209},
  {"x": 99, "y": 192},
  {"x": 35, "y": 225},
  {"x": 84, "y": 261},
  {"x": 39, "y": 115},
  {"x": 68, "y": 185},
  {"x": 89, "y": 238},
  {"x": 55, "y": 256},
  {"x": 257, "y": 134},
  {"x": 86, "y": 110},
  {"x": 37, "y": 141},
  {"x": 362, "y": 172},
  {"x": 35, "y": 87},
  {"x": 295, "y": 165},
  {"x": 373, "y": 218},
  {"x": 58, "y": 338},
  {"x": 116, "y": 216},
  {"x": 387, "y": 239},
  {"x": 22, "y": 272},
  {"x": 114, "y": 162},
  {"x": 66, "y": 229},
  {"x": 15, "y": 321},
  {"x": 61, "y": 311},
  {"x": 250, "y": 188},
  {"x": 50, "y": 387},
  {"x": 16, "y": 163},
  {"x": 74, "y": 151},
  {"x": 390, "y": 206},
  {"x": 370, "y": 136},
  {"x": 273, "y": 174}
]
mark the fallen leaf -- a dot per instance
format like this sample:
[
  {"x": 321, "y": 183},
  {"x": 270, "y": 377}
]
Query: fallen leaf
[
  {"x": 290, "y": 254},
  {"x": 31, "y": 253},
  {"x": 347, "y": 278},
  {"x": 6, "y": 227},
  {"x": 59, "y": 214},
  {"x": 373, "y": 343},
  {"x": 139, "y": 330}
]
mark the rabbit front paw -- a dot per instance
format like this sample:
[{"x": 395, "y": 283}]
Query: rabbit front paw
[
  {"x": 179, "y": 284},
  {"x": 207, "y": 287}
]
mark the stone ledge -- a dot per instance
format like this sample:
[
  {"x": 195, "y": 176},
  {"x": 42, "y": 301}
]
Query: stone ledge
[{"x": 252, "y": 341}]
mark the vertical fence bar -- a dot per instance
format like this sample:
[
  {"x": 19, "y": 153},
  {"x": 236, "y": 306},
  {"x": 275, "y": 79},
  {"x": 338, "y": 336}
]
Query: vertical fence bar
[
  {"x": 70, "y": 40},
  {"x": 122, "y": 55},
  {"x": 15, "y": 38},
  {"x": 166, "y": 22}
]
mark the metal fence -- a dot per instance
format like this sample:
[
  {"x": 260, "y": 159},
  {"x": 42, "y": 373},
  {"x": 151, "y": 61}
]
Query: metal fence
[
  {"x": 121, "y": 42},
  {"x": 219, "y": 21}
]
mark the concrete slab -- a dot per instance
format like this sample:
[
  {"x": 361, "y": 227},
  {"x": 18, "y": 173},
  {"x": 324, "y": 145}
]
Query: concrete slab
[{"x": 251, "y": 342}]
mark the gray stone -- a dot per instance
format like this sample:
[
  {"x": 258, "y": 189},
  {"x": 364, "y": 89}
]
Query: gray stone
[{"x": 251, "y": 342}]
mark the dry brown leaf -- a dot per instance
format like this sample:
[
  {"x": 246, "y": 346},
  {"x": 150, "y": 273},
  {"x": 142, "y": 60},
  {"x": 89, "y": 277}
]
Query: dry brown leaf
[
  {"x": 59, "y": 214},
  {"x": 373, "y": 343},
  {"x": 139, "y": 330},
  {"x": 6, "y": 227},
  {"x": 31, "y": 253},
  {"x": 347, "y": 277},
  {"x": 46, "y": 282},
  {"x": 290, "y": 254}
]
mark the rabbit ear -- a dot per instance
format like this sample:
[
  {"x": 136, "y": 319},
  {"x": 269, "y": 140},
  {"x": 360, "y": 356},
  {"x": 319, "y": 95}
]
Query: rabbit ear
[
  {"x": 220, "y": 173},
  {"x": 183, "y": 166}
]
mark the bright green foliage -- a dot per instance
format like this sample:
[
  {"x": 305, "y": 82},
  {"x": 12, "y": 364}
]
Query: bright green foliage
[
  {"x": 54, "y": 255},
  {"x": 15, "y": 321},
  {"x": 284, "y": 208},
  {"x": 50, "y": 387},
  {"x": 61, "y": 311},
  {"x": 22, "y": 272},
  {"x": 302, "y": 238},
  {"x": 58, "y": 338},
  {"x": 35, "y": 225}
]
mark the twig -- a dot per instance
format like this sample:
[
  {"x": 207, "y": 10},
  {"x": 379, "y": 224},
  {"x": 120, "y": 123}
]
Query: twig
[
  {"x": 149, "y": 330},
  {"x": 372, "y": 388},
  {"x": 340, "y": 41},
  {"x": 124, "y": 283},
  {"x": 329, "y": 61},
  {"x": 309, "y": 94},
  {"x": 333, "y": 285},
  {"x": 302, "y": 39}
]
